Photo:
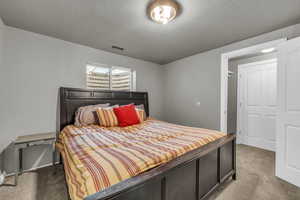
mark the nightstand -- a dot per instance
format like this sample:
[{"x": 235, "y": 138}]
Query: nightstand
[{"x": 25, "y": 141}]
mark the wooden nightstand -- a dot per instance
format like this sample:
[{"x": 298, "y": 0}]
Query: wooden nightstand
[{"x": 31, "y": 140}]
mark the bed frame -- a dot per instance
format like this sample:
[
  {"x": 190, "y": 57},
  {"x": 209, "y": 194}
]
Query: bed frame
[{"x": 192, "y": 176}]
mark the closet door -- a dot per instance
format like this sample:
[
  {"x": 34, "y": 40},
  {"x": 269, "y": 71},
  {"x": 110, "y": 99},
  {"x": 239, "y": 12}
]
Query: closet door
[{"x": 257, "y": 101}]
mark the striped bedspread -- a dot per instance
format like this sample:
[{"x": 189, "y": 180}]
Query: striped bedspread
[{"x": 97, "y": 157}]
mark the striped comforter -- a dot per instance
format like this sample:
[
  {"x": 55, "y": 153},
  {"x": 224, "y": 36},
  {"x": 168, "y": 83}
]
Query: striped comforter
[{"x": 97, "y": 157}]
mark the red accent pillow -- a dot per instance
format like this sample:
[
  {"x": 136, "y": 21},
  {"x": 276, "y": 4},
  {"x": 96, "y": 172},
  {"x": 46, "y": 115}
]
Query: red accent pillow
[{"x": 126, "y": 115}]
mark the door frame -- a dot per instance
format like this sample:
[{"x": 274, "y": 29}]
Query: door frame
[
  {"x": 225, "y": 57},
  {"x": 241, "y": 137}
]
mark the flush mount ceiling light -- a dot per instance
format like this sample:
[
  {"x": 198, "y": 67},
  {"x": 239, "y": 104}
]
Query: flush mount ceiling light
[
  {"x": 269, "y": 50},
  {"x": 163, "y": 11}
]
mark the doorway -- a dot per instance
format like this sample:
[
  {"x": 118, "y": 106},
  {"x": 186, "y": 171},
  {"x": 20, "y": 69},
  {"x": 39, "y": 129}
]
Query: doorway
[
  {"x": 225, "y": 58},
  {"x": 252, "y": 96},
  {"x": 287, "y": 165}
]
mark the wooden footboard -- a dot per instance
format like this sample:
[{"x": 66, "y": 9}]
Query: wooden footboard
[{"x": 192, "y": 176}]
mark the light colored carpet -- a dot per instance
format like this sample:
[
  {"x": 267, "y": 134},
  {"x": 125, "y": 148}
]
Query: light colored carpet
[{"x": 255, "y": 181}]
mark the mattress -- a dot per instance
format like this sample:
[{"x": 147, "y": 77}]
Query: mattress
[{"x": 97, "y": 157}]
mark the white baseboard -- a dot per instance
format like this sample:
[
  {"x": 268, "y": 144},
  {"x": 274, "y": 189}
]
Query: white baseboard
[{"x": 263, "y": 144}]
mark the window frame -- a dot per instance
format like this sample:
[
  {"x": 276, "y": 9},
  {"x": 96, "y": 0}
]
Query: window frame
[{"x": 110, "y": 68}]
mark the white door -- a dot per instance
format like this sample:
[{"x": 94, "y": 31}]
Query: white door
[
  {"x": 288, "y": 118},
  {"x": 257, "y": 104}
]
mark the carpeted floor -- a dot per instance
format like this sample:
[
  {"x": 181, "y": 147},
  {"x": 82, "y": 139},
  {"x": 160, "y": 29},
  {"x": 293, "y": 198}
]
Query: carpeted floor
[{"x": 255, "y": 181}]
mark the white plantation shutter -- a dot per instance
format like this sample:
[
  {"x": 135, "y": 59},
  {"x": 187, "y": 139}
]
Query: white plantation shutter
[
  {"x": 110, "y": 78},
  {"x": 120, "y": 79},
  {"x": 98, "y": 77}
]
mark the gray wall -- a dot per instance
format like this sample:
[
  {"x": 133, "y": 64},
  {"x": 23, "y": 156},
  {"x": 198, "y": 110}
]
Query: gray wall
[
  {"x": 36, "y": 66},
  {"x": 3, "y": 140},
  {"x": 197, "y": 78},
  {"x": 232, "y": 87}
]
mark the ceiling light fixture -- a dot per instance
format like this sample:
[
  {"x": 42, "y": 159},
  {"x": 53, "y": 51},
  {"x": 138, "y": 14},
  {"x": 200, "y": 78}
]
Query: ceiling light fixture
[
  {"x": 163, "y": 11},
  {"x": 269, "y": 50}
]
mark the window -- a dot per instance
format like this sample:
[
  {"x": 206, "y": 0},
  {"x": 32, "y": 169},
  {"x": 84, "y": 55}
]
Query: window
[{"x": 110, "y": 77}]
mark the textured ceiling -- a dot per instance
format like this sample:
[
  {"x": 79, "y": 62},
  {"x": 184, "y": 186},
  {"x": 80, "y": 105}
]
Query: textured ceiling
[{"x": 202, "y": 25}]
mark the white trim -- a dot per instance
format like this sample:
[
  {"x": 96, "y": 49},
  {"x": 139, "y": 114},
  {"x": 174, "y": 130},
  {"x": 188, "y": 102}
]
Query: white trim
[
  {"x": 225, "y": 57},
  {"x": 251, "y": 64},
  {"x": 240, "y": 137}
]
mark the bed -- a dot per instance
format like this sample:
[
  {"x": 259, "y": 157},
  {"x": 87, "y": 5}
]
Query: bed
[{"x": 154, "y": 160}]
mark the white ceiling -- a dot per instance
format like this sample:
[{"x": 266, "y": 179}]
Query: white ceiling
[{"x": 203, "y": 24}]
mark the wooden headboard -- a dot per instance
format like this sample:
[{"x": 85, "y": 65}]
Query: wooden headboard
[{"x": 71, "y": 99}]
